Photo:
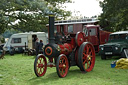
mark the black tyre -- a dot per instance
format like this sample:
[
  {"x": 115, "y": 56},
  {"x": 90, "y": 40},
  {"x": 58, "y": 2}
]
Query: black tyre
[
  {"x": 2, "y": 54},
  {"x": 11, "y": 52},
  {"x": 103, "y": 57}
]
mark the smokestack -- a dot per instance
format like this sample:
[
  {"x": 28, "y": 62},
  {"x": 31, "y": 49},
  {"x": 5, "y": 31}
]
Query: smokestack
[{"x": 51, "y": 29}]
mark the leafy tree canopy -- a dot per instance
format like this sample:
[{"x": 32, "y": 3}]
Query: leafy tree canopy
[
  {"x": 29, "y": 15},
  {"x": 114, "y": 16}
]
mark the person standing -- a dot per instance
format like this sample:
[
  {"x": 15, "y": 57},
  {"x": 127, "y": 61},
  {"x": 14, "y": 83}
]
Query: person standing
[
  {"x": 41, "y": 47},
  {"x": 37, "y": 46}
]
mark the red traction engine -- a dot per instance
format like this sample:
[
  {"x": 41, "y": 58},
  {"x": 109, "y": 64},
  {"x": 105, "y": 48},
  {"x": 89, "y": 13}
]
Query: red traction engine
[{"x": 63, "y": 52}]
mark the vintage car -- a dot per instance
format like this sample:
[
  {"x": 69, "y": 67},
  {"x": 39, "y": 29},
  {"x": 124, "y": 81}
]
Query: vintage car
[{"x": 117, "y": 45}]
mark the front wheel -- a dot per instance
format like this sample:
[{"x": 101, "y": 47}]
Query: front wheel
[
  {"x": 103, "y": 57},
  {"x": 62, "y": 66},
  {"x": 40, "y": 65}
]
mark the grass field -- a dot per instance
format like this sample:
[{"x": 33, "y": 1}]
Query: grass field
[{"x": 19, "y": 70}]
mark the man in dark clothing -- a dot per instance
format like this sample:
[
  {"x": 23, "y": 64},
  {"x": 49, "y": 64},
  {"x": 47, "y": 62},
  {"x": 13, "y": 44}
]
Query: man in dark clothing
[
  {"x": 41, "y": 47},
  {"x": 37, "y": 46}
]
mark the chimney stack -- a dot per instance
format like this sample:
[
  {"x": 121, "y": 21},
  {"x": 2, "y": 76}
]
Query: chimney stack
[{"x": 51, "y": 29}]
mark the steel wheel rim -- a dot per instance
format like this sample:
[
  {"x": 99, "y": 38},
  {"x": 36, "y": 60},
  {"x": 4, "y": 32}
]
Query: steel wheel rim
[
  {"x": 79, "y": 39},
  {"x": 88, "y": 57},
  {"x": 41, "y": 65},
  {"x": 63, "y": 66}
]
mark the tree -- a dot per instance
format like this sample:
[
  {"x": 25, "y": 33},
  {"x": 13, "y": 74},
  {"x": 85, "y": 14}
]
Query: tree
[
  {"x": 3, "y": 22},
  {"x": 114, "y": 16},
  {"x": 32, "y": 15}
]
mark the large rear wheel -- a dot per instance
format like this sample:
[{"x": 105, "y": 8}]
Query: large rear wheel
[
  {"x": 40, "y": 65},
  {"x": 86, "y": 57},
  {"x": 62, "y": 66}
]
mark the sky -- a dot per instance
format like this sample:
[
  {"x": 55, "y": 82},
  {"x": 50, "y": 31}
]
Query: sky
[{"x": 87, "y": 8}]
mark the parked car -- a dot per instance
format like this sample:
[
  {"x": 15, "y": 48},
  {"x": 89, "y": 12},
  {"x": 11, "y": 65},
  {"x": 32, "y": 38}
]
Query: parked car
[{"x": 117, "y": 45}]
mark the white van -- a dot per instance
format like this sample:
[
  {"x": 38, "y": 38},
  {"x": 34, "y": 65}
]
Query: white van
[{"x": 22, "y": 40}]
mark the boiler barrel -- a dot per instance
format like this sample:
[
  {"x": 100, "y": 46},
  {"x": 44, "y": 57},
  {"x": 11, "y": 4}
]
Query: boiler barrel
[
  {"x": 54, "y": 50},
  {"x": 65, "y": 48}
]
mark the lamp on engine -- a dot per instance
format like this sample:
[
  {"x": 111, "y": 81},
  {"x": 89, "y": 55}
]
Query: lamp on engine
[{"x": 65, "y": 51}]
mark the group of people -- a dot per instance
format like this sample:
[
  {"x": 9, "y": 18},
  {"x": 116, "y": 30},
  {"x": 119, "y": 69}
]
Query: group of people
[{"x": 39, "y": 46}]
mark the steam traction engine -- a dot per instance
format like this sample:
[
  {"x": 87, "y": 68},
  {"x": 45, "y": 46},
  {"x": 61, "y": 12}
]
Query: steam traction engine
[{"x": 65, "y": 51}]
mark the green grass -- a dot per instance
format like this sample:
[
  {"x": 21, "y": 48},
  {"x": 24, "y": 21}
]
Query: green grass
[{"x": 19, "y": 70}]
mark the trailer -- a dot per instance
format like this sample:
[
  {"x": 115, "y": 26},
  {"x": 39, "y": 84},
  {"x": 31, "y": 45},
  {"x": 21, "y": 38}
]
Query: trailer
[{"x": 24, "y": 40}]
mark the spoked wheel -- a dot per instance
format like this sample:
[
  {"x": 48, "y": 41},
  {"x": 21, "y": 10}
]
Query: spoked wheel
[
  {"x": 86, "y": 57},
  {"x": 40, "y": 65},
  {"x": 62, "y": 65}
]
